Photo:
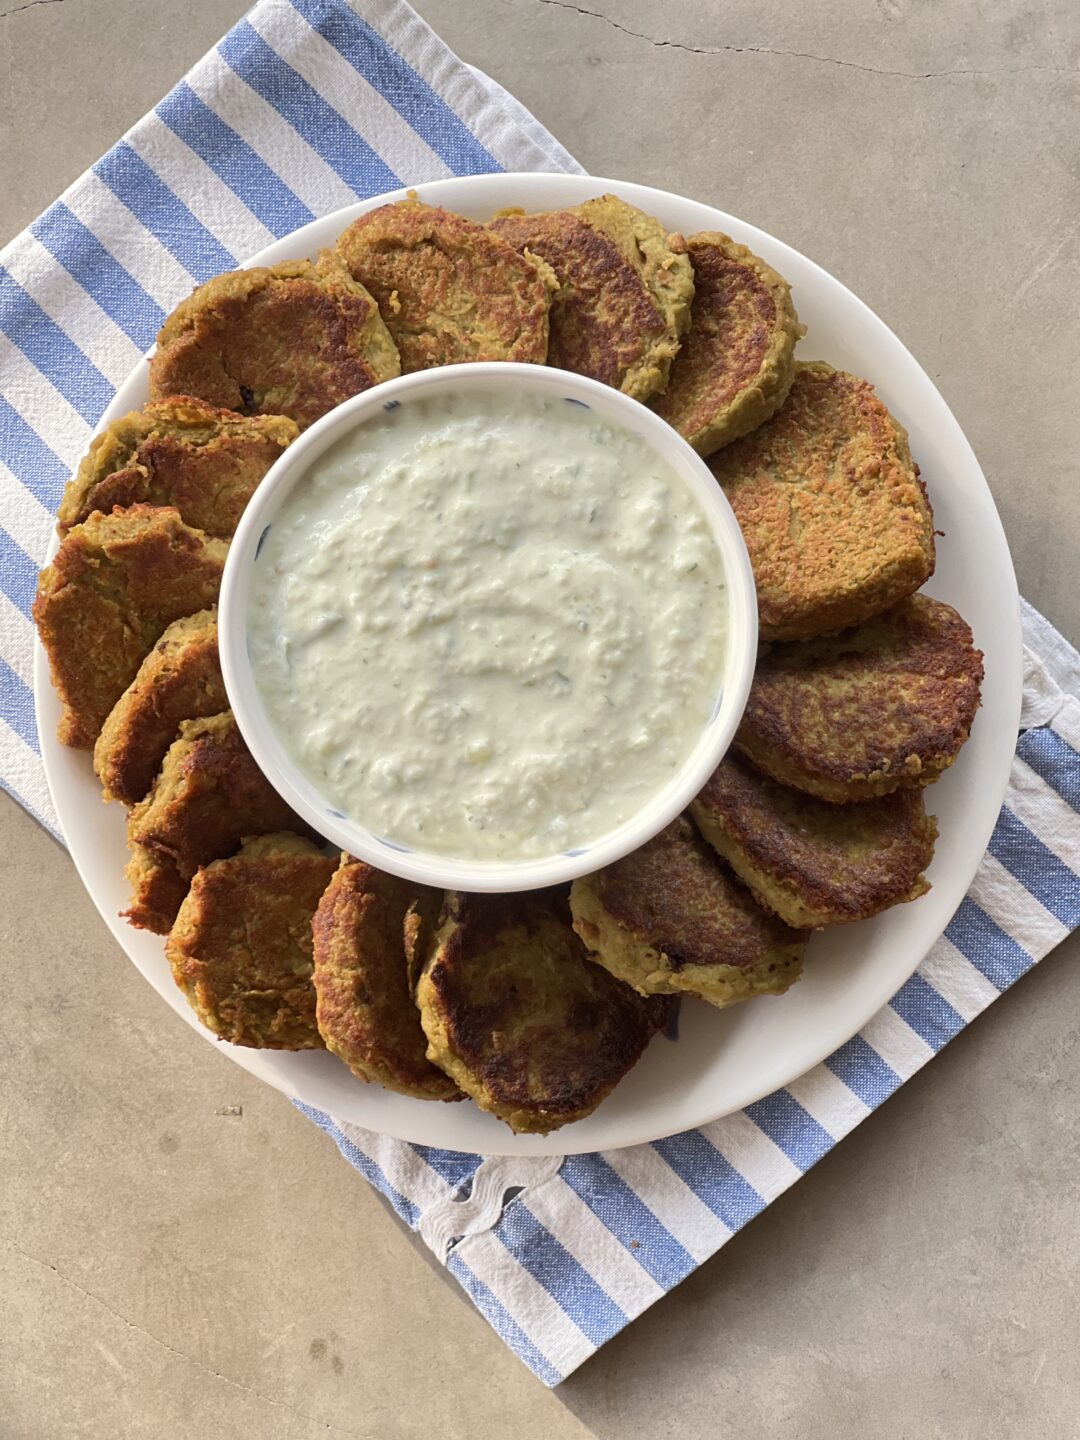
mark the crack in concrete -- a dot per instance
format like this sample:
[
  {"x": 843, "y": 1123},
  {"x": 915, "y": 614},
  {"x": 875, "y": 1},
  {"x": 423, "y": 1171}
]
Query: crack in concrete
[
  {"x": 164, "y": 1345},
  {"x": 30, "y": 4},
  {"x": 799, "y": 54}
]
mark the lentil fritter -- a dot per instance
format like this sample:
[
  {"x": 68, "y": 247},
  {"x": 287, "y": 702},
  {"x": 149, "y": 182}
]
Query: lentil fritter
[{"x": 670, "y": 919}]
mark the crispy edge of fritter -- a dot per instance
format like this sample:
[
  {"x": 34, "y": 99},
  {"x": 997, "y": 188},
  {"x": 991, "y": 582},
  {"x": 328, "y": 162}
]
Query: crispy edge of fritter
[
  {"x": 115, "y": 451},
  {"x": 179, "y": 680},
  {"x": 376, "y": 342},
  {"x": 751, "y": 834},
  {"x": 659, "y": 257},
  {"x": 771, "y": 744},
  {"x": 101, "y": 560},
  {"x": 907, "y": 560},
  {"x": 361, "y": 965},
  {"x": 244, "y": 891},
  {"x": 652, "y": 965},
  {"x": 762, "y": 395},
  {"x": 498, "y": 916},
  {"x": 157, "y": 889},
  {"x": 409, "y": 223}
]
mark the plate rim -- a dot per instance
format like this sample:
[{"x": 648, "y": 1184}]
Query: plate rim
[{"x": 496, "y": 1138}]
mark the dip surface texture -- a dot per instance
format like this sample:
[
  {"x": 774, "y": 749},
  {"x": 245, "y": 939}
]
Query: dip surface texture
[{"x": 489, "y": 625}]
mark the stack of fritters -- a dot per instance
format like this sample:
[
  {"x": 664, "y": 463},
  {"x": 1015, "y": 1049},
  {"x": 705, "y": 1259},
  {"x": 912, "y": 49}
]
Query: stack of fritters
[
  {"x": 624, "y": 293},
  {"x": 179, "y": 680},
  {"x": 670, "y": 919},
  {"x": 204, "y": 461},
  {"x": 365, "y": 1005},
  {"x": 115, "y": 585},
  {"x": 533, "y": 1005},
  {"x": 208, "y": 797},
  {"x": 449, "y": 290},
  {"x": 736, "y": 365}
]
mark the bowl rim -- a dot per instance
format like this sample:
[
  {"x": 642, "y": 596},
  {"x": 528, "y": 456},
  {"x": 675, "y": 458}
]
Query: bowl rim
[{"x": 444, "y": 871}]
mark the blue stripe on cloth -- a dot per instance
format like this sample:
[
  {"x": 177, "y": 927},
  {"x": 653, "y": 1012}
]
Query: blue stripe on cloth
[
  {"x": 501, "y": 1321},
  {"x": 1037, "y": 868},
  {"x": 368, "y": 1168},
  {"x": 927, "y": 1012},
  {"x": 17, "y": 707},
  {"x": 344, "y": 149},
  {"x": 986, "y": 945},
  {"x": 455, "y": 1166},
  {"x": 55, "y": 354},
  {"x": 792, "y": 1128},
  {"x": 18, "y": 574},
  {"x": 395, "y": 79},
  {"x": 565, "y": 1279},
  {"x": 167, "y": 218},
  {"x": 712, "y": 1177},
  {"x": 1053, "y": 760},
  {"x": 864, "y": 1072},
  {"x": 99, "y": 273},
  {"x": 628, "y": 1218},
  {"x": 233, "y": 160},
  {"x": 29, "y": 459}
]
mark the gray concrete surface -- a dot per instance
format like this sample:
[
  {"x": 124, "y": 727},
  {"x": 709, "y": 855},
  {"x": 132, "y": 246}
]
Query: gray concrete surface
[{"x": 183, "y": 1255}]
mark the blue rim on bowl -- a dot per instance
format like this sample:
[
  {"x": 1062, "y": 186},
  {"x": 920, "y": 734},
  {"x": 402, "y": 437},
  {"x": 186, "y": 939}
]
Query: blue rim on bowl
[{"x": 442, "y": 871}]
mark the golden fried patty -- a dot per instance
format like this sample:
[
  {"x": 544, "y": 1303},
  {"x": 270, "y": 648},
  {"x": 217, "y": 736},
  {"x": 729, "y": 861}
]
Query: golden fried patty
[
  {"x": 831, "y": 507},
  {"x": 624, "y": 290},
  {"x": 810, "y": 862},
  {"x": 292, "y": 339},
  {"x": 449, "y": 290},
  {"x": 179, "y": 680},
  {"x": 209, "y": 796},
  {"x": 365, "y": 1010},
  {"x": 241, "y": 946},
  {"x": 182, "y": 452},
  {"x": 514, "y": 1011},
  {"x": 116, "y": 582},
  {"x": 669, "y": 919},
  {"x": 885, "y": 705},
  {"x": 736, "y": 365}
]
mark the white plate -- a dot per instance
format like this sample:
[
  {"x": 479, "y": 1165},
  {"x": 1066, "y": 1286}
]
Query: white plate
[{"x": 721, "y": 1061}]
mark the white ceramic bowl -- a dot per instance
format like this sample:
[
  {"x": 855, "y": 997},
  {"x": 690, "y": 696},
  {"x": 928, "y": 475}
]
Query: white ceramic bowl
[{"x": 319, "y": 807}]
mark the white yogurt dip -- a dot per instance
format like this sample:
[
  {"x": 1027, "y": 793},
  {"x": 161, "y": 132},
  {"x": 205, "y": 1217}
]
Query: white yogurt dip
[{"x": 489, "y": 625}]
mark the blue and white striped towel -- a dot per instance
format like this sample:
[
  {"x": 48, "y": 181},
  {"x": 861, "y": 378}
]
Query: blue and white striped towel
[{"x": 304, "y": 106}]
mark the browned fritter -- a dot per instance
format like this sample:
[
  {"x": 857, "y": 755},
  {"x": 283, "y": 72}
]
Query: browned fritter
[
  {"x": 670, "y": 919},
  {"x": 209, "y": 796},
  {"x": 292, "y": 339},
  {"x": 117, "y": 581},
  {"x": 736, "y": 365},
  {"x": 179, "y": 680},
  {"x": 241, "y": 946},
  {"x": 448, "y": 289},
  {"x": 624, "y": 290},
  {"x": 831, "y": 507},
  {"x": 365, "y": 1010},
  {"x": 204, "y": 461},
  {"x": 519, "y": 1016},
  {"x": 885, "y": 705},
  {"x": 810, "y": 862}
]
